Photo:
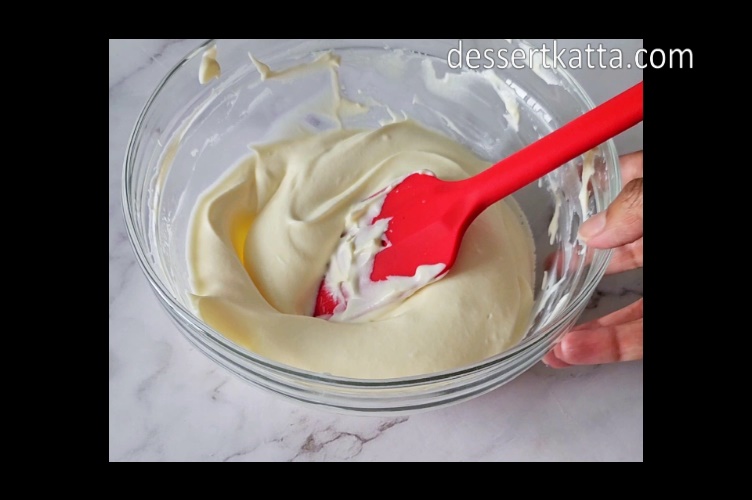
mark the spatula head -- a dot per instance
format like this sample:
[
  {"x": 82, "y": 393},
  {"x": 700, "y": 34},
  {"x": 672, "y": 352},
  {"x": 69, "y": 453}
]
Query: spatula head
[
  {"x": 427, "y": 218},
  {"x": 425, "y": 226}
]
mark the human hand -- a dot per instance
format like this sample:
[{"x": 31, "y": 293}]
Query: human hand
[{"x": 616, "y": 336}]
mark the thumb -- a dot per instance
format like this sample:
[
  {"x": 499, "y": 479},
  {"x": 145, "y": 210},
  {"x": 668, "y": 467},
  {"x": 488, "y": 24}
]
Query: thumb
[{"x": 620, "y": 223}]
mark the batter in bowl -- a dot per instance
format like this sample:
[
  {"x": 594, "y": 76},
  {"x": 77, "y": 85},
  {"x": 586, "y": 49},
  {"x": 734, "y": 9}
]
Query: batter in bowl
[{"x": 261, "y": 238}]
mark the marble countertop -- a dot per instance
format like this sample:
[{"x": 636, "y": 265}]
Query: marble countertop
[{"x": 168, "y": 402}]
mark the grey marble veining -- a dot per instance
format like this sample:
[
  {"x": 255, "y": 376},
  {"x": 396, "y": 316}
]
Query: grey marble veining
[{"x": 168, "y": 402}]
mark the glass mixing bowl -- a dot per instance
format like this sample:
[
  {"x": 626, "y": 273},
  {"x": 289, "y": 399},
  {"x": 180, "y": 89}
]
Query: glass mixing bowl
[{"x": 188, "y": 134}]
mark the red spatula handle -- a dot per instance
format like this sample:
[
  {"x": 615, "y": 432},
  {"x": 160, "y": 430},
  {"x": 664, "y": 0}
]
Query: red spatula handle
[{"x": 570, "y": 141}]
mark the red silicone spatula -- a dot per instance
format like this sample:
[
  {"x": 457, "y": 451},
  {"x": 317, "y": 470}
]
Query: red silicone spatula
[{"x": 429, "y": 216}]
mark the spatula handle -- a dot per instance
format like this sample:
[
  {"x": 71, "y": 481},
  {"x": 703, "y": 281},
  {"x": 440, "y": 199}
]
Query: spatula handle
[{"x": 570, "y": 141}]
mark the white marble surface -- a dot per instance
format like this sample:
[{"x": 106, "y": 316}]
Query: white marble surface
[{"x": 168, "y": 402}]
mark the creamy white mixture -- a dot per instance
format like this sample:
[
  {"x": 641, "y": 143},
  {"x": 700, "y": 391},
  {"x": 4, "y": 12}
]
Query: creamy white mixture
[
  {"x": 588, "y": 170},
  {"x": 209, "y": 68},
  {"x": 261, "y": 238}
]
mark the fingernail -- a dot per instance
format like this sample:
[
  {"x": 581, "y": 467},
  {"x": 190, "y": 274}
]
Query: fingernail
[{"x": 592, "y": 227}]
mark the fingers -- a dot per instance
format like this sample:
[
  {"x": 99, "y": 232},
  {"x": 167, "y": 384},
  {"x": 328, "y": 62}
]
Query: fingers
[
  {"x": 616, "y": 336},
  {"x": 624, "y": 315},
  {"x": 612, "y": 338},
  {"x": 620, "y": 223},
  {"x": 552, "y": 361},
  {"x": 630, "y": 166},
  {"x": 626, "y": 257},
  {"x": 608, "y": 344}
]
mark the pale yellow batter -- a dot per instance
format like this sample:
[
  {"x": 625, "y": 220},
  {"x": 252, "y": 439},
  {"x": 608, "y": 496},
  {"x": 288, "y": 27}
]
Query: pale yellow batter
[
  {"x": 209, "y": 68},
  {"x": 262, "y": 236}
]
